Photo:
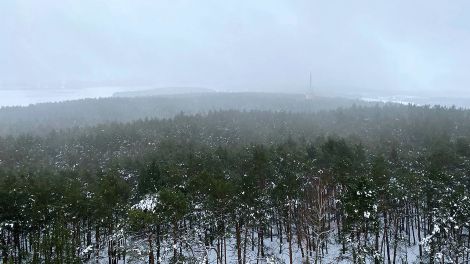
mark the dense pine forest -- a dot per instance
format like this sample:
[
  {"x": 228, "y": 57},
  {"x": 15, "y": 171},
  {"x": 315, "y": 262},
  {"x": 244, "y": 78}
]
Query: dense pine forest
[
  {"x": 359, "y": 184},
  {"x": 40, "y": 119}
]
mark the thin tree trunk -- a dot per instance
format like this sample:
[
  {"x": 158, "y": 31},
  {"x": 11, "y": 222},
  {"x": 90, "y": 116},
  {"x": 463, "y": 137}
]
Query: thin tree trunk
[
  {"x": 97, "y": 241},
  {"x": 377, "y": 236},
  {"x": 395, "y": 244},
  {"x": 175, "y": 240},
  {"x": 238, "y": 238},
  {"x": 419, "y": 236},
  {"x": 158, "y": 244},
  {"x": 289, "y": 236},
  {"x": 245, "y": 244},
  {"x": 225, "y": 250},
  {"x": 386, "y": 237}
]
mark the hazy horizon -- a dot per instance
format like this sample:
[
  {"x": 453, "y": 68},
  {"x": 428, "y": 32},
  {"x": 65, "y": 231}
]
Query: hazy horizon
[{"x": 383, "y": 48}]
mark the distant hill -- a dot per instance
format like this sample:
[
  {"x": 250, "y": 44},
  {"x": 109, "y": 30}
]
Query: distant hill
[
  {"x": 164, "y": 91},
  {"x": 40, "y": 119}
]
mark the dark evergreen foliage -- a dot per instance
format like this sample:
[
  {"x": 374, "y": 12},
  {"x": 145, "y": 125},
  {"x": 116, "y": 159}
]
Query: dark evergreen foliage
[{"x": 374, "y": 180}]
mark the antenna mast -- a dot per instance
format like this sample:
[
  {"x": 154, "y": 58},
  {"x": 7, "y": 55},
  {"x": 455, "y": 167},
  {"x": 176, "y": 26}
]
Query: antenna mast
[{"x": 310, "y": 83}]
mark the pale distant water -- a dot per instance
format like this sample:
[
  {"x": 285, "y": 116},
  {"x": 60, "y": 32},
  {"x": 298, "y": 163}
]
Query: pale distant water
[
  {"x": 26, "y": 97},
  {"x": 463, "y": 101}
]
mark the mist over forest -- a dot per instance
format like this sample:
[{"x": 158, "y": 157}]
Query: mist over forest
[{"x": 217, "y": 132}]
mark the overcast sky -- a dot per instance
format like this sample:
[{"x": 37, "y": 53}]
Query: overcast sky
[{"x": 397, "y": 46}]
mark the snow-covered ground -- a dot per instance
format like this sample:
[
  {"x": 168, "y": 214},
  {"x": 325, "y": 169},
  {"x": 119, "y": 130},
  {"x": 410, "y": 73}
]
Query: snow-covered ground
[{"x": 196, "y": 252}]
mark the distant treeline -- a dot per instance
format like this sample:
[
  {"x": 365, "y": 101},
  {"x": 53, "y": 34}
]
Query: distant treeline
[
  {"x": 380, "y": 184},
  {"x": 40, "y": 119}
]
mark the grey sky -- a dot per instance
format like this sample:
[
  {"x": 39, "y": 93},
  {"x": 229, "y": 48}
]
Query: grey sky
[{"x": 400, "y": 45}]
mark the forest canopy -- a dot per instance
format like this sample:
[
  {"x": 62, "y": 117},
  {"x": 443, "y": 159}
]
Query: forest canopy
[{"x": 382, "y": 184}]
